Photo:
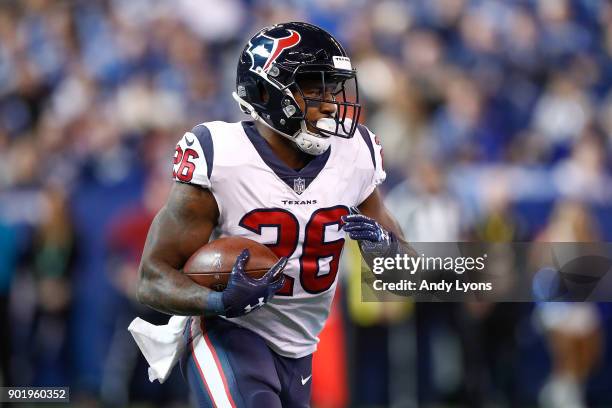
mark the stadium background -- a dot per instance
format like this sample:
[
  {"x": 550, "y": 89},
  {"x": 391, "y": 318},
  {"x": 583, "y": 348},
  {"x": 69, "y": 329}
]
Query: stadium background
[{"x": 496, "y": 119}]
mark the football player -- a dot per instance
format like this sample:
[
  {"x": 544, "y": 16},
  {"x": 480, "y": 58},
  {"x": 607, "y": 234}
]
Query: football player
[{"x": 297, "y": 177}]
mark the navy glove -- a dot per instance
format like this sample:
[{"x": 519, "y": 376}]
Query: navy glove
[
  {"x": 372, "y": 237},
  {"x": 376, "y": 242},
  {"x": 244, "y": 294}
]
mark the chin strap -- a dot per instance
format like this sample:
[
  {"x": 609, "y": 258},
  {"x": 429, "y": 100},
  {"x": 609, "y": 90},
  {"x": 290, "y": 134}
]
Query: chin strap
[{"x": 306, "y": 141}]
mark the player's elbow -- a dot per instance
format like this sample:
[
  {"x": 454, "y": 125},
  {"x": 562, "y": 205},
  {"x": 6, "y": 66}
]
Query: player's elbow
[
  {"x": 142, "y": 292},
  {"x": 146, "y": 286}
]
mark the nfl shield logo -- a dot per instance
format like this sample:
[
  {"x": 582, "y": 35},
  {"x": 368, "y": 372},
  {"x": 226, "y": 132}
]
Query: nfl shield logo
[{"x": 299, "y": 185}]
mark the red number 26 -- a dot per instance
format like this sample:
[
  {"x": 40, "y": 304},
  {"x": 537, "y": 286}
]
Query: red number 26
[{"x": 314, "y": 248}]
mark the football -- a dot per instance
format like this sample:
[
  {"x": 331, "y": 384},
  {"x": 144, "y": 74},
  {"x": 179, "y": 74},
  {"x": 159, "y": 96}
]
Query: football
[{"x": 211, "y": 265}]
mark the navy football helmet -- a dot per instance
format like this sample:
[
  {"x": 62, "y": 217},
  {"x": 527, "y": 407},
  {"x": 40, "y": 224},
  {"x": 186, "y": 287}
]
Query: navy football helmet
[{"x": 273, "y": 65}]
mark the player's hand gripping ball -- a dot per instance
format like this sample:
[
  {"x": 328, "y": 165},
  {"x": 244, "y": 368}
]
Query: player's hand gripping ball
[
  {"x": 243, "y": 274},
  {"x": 245, "y": 294}
]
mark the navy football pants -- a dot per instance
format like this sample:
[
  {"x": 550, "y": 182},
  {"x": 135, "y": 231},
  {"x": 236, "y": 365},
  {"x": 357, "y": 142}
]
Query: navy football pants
[{"x": 229, "y": 366}]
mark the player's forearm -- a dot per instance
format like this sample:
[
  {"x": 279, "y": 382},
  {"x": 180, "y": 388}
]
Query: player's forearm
[{"x": 169, "y": 291}]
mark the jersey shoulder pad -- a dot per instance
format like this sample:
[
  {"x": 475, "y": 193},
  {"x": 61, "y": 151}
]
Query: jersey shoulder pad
[{"x": 194, "y": 157}]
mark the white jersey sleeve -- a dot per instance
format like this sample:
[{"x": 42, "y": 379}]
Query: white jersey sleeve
[
  {"x": 378, "y": 174},
  {"x": 193, "y": 157}
]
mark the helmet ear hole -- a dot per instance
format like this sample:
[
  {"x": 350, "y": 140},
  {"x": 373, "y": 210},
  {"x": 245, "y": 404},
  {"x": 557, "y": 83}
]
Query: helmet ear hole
[
  {"x": 264, "y": 96},
  {"x": 249, "y": 90}
]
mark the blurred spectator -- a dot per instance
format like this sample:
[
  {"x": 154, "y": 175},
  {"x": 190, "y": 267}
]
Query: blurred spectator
[
  {"x": 428, "y": 212},
  {"x": 8, "y": 264},
  {"x": 573, "y": 330},
  {"x": 53, "y": 252},
  {"x": 498, "y": 222},
  {"x": 582, "y": 175},
  {"x": 425, "y": 208},
  {"x": 562, "y": 111}
]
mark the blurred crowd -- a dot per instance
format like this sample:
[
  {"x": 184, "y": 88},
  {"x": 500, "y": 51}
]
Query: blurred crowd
[{"x": 495, "y": 116}]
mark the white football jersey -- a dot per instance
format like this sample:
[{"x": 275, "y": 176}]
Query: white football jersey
[{"x": 295, "y": 213}]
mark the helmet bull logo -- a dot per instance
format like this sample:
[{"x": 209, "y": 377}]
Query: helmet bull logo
[{"x": 265, "y": 50}]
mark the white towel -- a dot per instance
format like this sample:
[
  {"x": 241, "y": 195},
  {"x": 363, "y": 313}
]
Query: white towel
[{"x": 161, "y": 346}]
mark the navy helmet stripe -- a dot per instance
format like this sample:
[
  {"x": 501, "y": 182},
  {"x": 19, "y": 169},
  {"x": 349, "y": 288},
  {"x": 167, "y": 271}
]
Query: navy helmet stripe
[
  {"x": 205, "y": 139},
  {"x": 363, "y": 131}
]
